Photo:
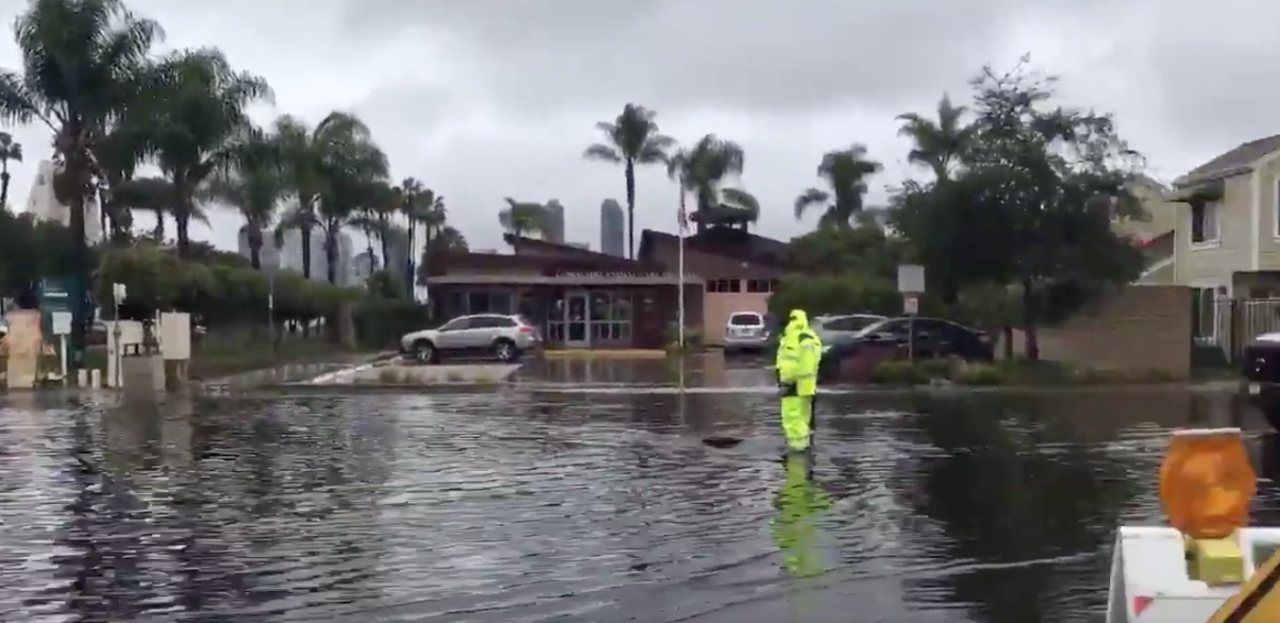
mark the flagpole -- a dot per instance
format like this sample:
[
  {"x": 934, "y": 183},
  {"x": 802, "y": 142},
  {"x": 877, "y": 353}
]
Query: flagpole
[{"x": 680, "y": 270}]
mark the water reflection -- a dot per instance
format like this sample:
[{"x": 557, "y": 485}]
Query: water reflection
[{"x": 577, "y": 506}]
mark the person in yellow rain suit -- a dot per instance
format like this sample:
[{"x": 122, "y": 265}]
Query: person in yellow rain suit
[
  {"x": 798, "y": 503},
  {"x": 799, "y": 352}
]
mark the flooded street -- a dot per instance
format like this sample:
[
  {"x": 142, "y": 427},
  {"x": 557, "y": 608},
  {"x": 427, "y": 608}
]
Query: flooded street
[{"x": 550, "y": 504}]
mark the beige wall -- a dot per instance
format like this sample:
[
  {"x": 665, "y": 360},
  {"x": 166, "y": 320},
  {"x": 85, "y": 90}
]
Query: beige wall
[
  {"x": 1140, "y": 329},
  {"x": 718, "y": 306},
  {"x": 1268, "y": 241},
  {"x": 1213, "y": 265}
]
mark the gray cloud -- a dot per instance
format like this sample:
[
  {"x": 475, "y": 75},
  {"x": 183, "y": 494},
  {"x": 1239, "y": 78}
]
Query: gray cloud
[{"x": 486, "y": 99}]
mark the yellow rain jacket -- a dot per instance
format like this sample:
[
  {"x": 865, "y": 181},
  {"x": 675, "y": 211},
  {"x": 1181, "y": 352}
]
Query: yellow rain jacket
[{"x": 799, "y": 353}]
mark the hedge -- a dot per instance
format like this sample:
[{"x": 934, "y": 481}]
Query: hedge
[{"x": 156, "y": 279}]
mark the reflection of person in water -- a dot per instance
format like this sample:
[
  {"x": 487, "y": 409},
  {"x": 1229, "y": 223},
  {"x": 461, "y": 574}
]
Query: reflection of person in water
[{"x": 799, "y": 503}]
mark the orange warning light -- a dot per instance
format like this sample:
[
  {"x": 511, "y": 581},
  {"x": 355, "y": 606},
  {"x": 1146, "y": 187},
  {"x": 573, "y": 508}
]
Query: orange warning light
[{"x": 1206, "y": 482}]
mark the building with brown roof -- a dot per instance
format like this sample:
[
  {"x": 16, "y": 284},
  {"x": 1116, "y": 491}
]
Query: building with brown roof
[{"x": 584, "y": 298}]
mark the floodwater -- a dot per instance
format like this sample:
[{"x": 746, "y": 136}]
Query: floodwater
[{"x": 600, "y": 506}]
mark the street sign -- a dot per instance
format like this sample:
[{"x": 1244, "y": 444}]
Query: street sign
[
  {"x": 911, "y": 279},
  {"x": 910, "y": 305},
  {"x": 61, "y": 322}
]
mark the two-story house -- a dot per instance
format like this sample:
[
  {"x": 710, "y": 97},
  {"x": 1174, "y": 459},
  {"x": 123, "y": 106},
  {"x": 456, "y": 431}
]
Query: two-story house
[{"x": 1227, "y": 231}]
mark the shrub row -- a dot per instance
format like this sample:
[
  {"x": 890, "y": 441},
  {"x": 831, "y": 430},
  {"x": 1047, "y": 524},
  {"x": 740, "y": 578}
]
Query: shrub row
[{"x": 156, "y": 279}]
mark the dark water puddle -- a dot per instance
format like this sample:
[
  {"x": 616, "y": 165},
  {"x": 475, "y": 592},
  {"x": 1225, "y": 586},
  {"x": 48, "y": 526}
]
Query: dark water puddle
[{"x": 563, "y": 506}]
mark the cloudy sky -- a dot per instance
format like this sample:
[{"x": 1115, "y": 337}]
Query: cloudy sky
[{"x": 491, "y": 98}]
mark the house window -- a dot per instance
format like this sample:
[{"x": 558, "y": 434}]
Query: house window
[
  {"x": 1204, "y": 315},
  {"x": 724, "y": 285},
  {"x": 761, "y": 285},
  {"x": 1205, "y": 217}
]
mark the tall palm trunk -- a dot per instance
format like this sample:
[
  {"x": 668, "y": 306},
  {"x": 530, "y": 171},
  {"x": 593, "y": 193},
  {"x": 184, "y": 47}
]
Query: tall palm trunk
[
  {"x": 305, "y": 233},
  {"x": 331, "y": 253},
  {"x": 368, "y": 238},
  {"x": 77, "y": 166},
  {"x": 631, "y": 208},
  {"x": 255, "y": 247},
  {"x": 408, "y": 260},
  {"x": 4, "y": 184},
  {"x": 158, "y": 231}
]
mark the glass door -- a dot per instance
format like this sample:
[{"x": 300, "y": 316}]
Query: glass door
[{"x": 576, "y": 322}]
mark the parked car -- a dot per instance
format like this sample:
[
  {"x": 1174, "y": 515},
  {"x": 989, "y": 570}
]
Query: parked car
[
  {"x": 1261, "y": 370},
  {"x": 834, "y": 327},
  {"x": 747, "y": 331},
  {"x": 497, "y": 336},
  {"x": 930, "y": 337}
]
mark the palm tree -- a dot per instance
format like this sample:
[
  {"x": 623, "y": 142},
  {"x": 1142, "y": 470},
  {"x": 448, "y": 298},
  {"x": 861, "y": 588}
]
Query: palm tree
[
  {"x": 301, "y": 150},
  {"x": 353, "y": 170},
  {"x": 702, "y": 170},
  {"x": 84, "y": 59},
  {"x": 151, "y": 194},
  {"x": 200, "y": 116},
  {"x": 938, "y": 145},
  {"x": 417, "y": 203},
  {"x": 447, "y": 240},
  {"x": 846, "y": 174},
  {"x": 374, "y": 221},
  {"x": 10, "y": 150},
  {"x": 631, "y": 139},
  {"x": 253, "y": 184},
  {"x": 520, "y": 218}
]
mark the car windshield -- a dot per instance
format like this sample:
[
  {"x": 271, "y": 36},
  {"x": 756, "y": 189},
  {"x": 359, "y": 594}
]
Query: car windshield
[{"x": 746, "y": 320}]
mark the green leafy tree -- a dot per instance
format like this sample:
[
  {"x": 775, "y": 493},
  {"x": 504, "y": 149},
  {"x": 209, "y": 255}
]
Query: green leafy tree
[
  {"x": 10, "y": 151},
  {"x": 150, "y": 194},
  {"x": 199, "y": 122},
  {"x": 703, "y": 170},
  {"x": 846, "y": 173},
  {"x": 84, "y": 61},
  {"x": 354, "y": 173},
  {"x": 253, "y": 184},
  {"x": 631, "y": 139},
  {"x": 302, "y": 151},
  {"x": 522, "y": 218},
  {"x": 1050, "y": 178},
  {"x": 938, "y": 145}
]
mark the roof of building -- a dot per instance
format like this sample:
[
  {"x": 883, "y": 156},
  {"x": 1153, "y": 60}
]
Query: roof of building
[
  {"x": 1235, "y": 162},
  {"x": 723, "y": 241}
]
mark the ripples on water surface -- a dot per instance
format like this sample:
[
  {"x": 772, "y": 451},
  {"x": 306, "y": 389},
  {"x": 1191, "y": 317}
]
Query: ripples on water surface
[{"x": 561, "y": 506}]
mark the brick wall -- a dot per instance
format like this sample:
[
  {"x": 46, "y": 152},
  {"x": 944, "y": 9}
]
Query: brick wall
[{"x": 1142, "y": 328}]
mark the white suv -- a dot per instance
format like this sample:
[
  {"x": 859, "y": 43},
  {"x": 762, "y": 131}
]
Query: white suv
[
  {"x": 495, "y": 336},
  {"x": 746, "y": 331}
]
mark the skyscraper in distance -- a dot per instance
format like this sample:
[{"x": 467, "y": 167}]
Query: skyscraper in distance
[
  {"x": 613, "y": 225},
  {"x": 555, "y": 222}
]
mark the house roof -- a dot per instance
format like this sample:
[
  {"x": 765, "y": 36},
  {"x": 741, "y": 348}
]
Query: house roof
[
  {"x": 1240, "y": 160},
  {"x": 722, "y": 241},
  {"x": 497, "y": 264}
]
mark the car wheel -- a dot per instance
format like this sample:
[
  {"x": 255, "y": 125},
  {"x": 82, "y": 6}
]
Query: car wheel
[
  {"x": 505, "y": 351},
  {"x": 424, "y": 352}
]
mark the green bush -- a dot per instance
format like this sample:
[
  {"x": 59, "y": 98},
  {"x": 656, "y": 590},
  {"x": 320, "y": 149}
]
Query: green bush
[
  {"x": 978, "y": 374},
  {"x": 843, "y": 294},
  {"x": 380, "y": 323},
  {"x": 215, "y": 294},
  {"x": 898, "y": 372}
]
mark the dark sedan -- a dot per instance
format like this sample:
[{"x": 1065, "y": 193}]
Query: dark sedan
[{"x": 929, "y": 337}]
